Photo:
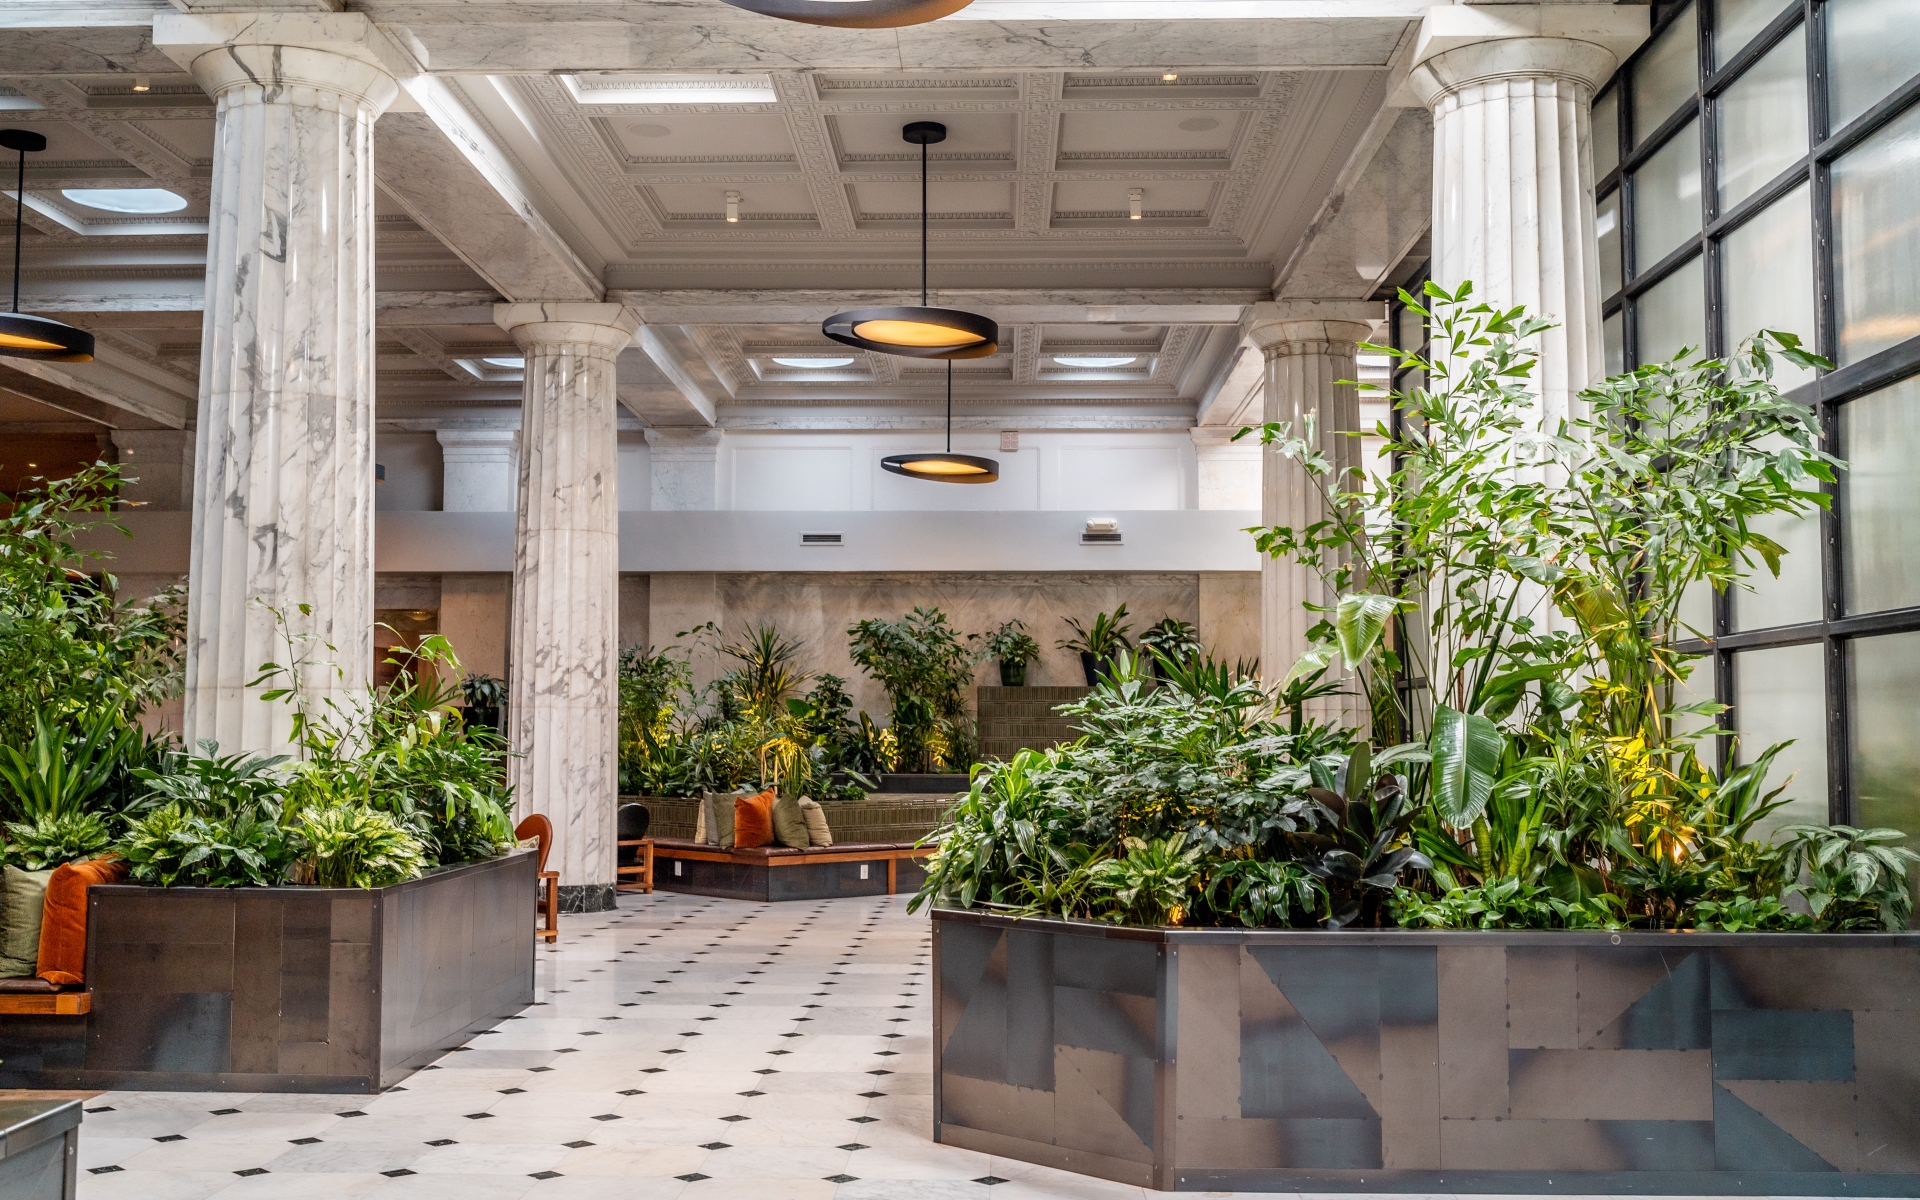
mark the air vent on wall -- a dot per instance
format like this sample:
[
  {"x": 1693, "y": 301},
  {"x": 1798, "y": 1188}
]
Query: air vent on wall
[
  {"x": 823, "y": 539},
  {"x": 1101, "y": 531}
]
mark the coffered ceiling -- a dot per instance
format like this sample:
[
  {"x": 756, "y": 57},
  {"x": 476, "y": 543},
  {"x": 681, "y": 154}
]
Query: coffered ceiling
[{"x": 627, "y": 167}]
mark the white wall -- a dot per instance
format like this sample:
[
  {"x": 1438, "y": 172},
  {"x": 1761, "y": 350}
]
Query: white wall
[
  {"x": 413, "y": 468},
  {"x": 636, "y": 476},
  {"x": 840, "y": 471}
]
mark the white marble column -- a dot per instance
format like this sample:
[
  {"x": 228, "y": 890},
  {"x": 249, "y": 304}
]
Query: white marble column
[
  {"x": 1511, "y": 88},
  {"x": 283, "y": 498},
  {"x": 1310, "y": 346},
  {"x": 479, "y": 469},
  {"x": 685, "y": 468},
  {"x": 562, "y": 690}
]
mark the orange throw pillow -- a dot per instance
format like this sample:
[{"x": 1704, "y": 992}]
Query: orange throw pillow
[
  {"x": 63, "y": 928},
  {"x": 752, "y": 820}
]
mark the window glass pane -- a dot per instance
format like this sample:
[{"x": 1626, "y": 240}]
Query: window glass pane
[
  {"x": 1736, "y": 21},
  {"x": 1768, "y": 273},
  {"x": 1876, "y": 259},
  {"x": 1883, "y": 674},
  {"x": 1779, "y": 695},
  {"x": 1666, "y": 198},
  {"x": 1667, "y": 76},
  {"x": 1873, "y": 46},
  {"x": 1696, "y": 687},
  {"x": 1797, "y": 594},
  {"x": 1606, "y": 133},
  {"x": 1763, "y": 120},
  {"x": 1613, "y": 336},
  {"x": 1880, "y": 439},
  {"x": 1606, "y": 223},
  {"x": 1672, "y": 314}
]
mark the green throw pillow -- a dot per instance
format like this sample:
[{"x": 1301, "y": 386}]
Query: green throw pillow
[
  {"x": 789, "y": 823},
  {"x": 26, "y": 893},
  {"x": 719, "y": 807}
]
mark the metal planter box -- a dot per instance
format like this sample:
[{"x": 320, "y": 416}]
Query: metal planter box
[
  {"x": 286, "y": 989},
  {"x": 1390, "y": 1061}
]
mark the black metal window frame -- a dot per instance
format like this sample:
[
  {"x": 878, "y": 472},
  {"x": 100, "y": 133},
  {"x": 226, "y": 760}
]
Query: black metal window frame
[{"x": 1829, "y": 391}]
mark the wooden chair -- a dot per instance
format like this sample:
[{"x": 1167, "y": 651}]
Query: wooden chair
[
  {"x": 547, "y": 907},
  {"x": 635, "y": 870}
]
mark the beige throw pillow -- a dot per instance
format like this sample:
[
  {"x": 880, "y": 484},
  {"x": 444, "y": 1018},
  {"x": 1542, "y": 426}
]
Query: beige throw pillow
[
  {"x": 816, "y": 818},
  {"x": 20, "y": 935}
]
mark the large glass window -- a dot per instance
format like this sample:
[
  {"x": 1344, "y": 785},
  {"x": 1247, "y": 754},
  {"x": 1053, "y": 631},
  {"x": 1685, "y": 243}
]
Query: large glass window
[
  {"x": 1666, "y": 198},
  {"x": 1767, "y": 264},
  {"x": 1773, "y": 206},
  {"x": 1880, "y": 439},
  {"x": 1885, "y": 674},
  {"x": 1667, "y": 75},
  {"x": 1873, "y": 46},
  {"x": 1763, "y": 121},
  {"x": 1876, "y": 226}
]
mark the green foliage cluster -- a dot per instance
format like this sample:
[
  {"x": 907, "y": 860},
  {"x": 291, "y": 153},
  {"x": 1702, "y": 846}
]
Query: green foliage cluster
[
  {"x": 926, "y": 668},
  {"x": 1010, "y": 644},
  {"x": 1506, "y": 614}
]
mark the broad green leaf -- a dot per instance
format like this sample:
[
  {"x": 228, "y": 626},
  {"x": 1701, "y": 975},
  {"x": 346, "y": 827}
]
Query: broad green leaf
[
  {"x": 1360, "y": 622},
  {"x": 1316, "y": 658},
  {"x": 1466, "y": 750}
]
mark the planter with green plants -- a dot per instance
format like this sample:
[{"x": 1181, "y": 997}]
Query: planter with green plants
[
  {"x": 486, "y": 697},
  {"x": 1342, "y": 933},
  {"x": 1099, "y": 643},
  {"x": 1013, "y": 648},
  {"x": 322, "y": 920}
]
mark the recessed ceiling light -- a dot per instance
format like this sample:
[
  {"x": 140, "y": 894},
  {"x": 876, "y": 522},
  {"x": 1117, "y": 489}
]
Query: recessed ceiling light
[
  {"x": 510, "y": 364},
  {"x": 813, "y": 364},
  {"x": 643, "y": 129},
  {"x": 1169, "y": 76},
  {"x": 144, "y": 202},
  {"x": 1094, "y": 361},
  {"x": 1199, "y": 124}
]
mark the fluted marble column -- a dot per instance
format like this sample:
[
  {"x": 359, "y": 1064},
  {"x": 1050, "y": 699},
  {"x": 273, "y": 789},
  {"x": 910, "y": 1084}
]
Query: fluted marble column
[
  {"x": 1511, "y": 88},
  {"x": 283, "y": 495},
  {"x": 1310, "y": 347},
  {"x": 563, "y": 693}
]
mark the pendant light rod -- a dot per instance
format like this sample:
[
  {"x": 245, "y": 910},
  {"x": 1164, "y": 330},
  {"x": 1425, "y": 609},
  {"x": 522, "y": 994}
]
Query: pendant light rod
[
  {"x": 19, "y": 215},
  {"x": 949, "y": 406},
  {"x": 923, "y": 238}
]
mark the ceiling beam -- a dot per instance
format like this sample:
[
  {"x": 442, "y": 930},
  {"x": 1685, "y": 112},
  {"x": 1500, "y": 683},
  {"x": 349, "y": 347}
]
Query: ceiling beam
[
  {"x": 1009, "y": 306},
  {"x": 456, "y": 182}
]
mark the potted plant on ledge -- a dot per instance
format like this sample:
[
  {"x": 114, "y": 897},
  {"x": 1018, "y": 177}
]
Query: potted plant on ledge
[
  {"x": 1013, "y": 647},
  {"x": 1099, "y": 643}
]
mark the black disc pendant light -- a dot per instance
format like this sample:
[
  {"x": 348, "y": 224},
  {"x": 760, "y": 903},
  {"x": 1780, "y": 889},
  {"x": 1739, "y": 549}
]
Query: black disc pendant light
[
  {"x": 948, "y": 467},
  {"x": 854, "y": 14},
  {"x": 21, "y": 335},
  {"x": 921, "y": 332}
]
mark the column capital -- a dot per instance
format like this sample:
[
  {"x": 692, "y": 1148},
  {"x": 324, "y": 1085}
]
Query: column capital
[
  {"x": 477, "y": 443},
  {"x": 1461, "y": 44},
  {"x": 608, "y": 328},
  {"x": 334, "y": 52},
  {"x": 1282, "y": 327}
]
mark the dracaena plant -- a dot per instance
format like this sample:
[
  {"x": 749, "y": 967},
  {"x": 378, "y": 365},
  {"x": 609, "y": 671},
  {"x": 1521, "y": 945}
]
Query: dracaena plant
[{"x": 1530, "y": 570}]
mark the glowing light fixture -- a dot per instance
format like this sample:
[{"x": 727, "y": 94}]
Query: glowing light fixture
[
  {"x": 920, "y": 332},
  {"x": 854, "y": 14},
  {"x": 946, "y": 467},
  {"x": 140, "y": 83},
  {"x": 813, "y": 364},
  {"x": 1136, "y": 198},
  {"x": 141, "y": 202},
  {"x": 733, "y": 208},
  {"x": 1169, "y": 77},
  {"x": 1093, "y": 362},
  {"x": 21, "y": 335}
]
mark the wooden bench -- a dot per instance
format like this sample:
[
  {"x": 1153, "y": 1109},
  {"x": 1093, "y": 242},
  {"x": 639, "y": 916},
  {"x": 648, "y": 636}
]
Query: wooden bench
[
  {"x": 17, "y": 998},
  {"x": 636, "y": 876},
  {"x": 769, "y": 873}
]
